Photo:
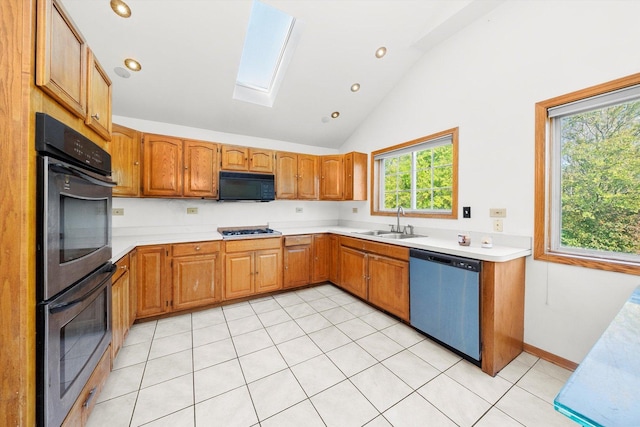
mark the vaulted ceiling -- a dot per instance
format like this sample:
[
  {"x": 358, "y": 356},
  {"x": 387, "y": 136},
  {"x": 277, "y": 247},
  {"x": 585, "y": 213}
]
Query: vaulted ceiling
[{"x": 190, "y": 51}]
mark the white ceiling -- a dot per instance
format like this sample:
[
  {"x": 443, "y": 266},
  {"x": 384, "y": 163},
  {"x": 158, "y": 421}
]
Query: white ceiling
[{"x": 190, "y": 51}]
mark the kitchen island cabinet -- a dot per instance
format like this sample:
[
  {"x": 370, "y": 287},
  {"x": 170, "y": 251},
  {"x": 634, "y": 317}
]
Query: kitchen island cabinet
[{"x": 252, "y": 266}]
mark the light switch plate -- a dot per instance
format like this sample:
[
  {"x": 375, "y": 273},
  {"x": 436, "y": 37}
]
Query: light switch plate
[
  {"x": 117, "y": 211},
  {"x": 192, "y": 211},
  {"x": 498, "y": 212},
  {"x": 466, "y": 212}
]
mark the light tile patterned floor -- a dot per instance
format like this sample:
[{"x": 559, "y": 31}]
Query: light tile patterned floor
[{"x": 313, "y": 357}]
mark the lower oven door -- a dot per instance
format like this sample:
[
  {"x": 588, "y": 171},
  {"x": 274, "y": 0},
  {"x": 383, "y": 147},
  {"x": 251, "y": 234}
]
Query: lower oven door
[{"x": 74, "y": 330}]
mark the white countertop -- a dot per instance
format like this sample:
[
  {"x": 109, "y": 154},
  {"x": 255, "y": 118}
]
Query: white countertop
[{"x": 122, "y": 244}]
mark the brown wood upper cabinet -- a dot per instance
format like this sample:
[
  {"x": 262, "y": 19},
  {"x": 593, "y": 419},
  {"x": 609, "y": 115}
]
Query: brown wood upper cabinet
[
  {"x": 296, "y": 176},
  {"x": 236, "y": 158},
  {"x": 98, "y": 98},
  {"x": 68, "y": 71},
  {"x": 343, "y": 176},
  {"x": 179, "y": 168},
  {"x": 125, "y": 161}
]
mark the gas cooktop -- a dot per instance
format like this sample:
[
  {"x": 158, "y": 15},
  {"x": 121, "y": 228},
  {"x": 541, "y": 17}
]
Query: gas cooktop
[{"x": 247, "y": 232}]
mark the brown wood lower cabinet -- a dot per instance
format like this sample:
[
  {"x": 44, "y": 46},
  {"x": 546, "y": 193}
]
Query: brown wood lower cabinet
[
  {"x": 120, "y": 306},
  {"x": 376, "y": 272},
  {"x": 297, "y": 261},
  {"x": 252, "y": 266},
  {"x": 196, "y": 274},
  {"x": 153, "y": 280}
]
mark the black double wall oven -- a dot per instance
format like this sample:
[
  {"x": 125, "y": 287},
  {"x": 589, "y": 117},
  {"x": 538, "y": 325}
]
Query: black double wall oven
[{"x": 73, "y": 277}]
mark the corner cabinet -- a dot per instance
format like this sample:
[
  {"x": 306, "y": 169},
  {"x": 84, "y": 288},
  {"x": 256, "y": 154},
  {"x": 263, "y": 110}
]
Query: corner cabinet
[
  {"x": 120, "y": 305},
  {"x": 174, "y": 167},
  {"x": 343, "y": 176},
  {"x": 125, "y": 161},
  {"x": 252, "y": 266},
  {"x": 153, "y": 280}
]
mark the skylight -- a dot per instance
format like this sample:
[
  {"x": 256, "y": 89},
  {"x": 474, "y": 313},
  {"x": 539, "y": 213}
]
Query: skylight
[{"x": 268, "y": 47}]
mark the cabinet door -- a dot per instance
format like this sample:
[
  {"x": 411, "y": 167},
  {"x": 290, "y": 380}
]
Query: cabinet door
[
  {"x": 331, "y": 177},
  {"x": 286, "y": 175},
  {"x": 125, "y": 161},
  {"x": 162, "y": 157},
  {"x": 348, "y": 176},
  {"x": 321, "y": 254},
  {"x": 389, "y": 285},
  {"x": 334, "y": 259},
  {"x": 260, "y": 160},
  {"x": 308, "y": 177},
  {"x": 234, "y": 158},
  {"x": 117, "y": 334},
  {"x": 353, "y": 271},
  {"x": 196, "y": 281},
  {"x": 152, "y": 280},
  {"x": 98, "y": 98},
  {"x": 297, "y": 266},
  {"x": 268, "y": 270},
  {"x": 238, "y": 275},
  {"x": 200, "y": 172},
  {"x": 61, "y": 57},
  {"x": 133, "y": 291}
]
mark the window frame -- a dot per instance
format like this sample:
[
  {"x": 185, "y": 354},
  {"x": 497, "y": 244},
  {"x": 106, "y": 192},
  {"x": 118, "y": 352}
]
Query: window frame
[
  {"x": 375, "y": 176},
  {"x": 543, "y": 188}
]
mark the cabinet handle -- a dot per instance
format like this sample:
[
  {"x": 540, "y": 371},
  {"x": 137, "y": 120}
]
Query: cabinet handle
[
  {"x": 96, "y": 116},
  {"x": 92, "y": 393},
  {"x": 197, "y": 248},
  {"x": 186, "y": 167},
  {"x": 124, "y": 267},
  {"x": 136, "y": 163}
]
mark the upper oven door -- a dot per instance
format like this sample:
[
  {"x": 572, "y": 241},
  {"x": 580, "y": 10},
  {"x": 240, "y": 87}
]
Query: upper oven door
[{"x": 74, "y": 225}]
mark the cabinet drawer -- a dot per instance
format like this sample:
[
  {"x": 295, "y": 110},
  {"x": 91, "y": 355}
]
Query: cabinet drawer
[
  {"x": 195, "y": 248},
  {"x": 386, "y": 249},
  {"x": 79, "y": 413},
  {"x": 253, "y": 244},
  {"x": 297, "y": 240},
  {"x": 122, "y": 267}
]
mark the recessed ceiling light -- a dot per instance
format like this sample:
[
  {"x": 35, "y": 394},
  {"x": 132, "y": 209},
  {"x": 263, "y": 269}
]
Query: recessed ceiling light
[
  {"x": 122, "y": 72},
  {"x": 132, "y": 64},
  {"x": 335, "y": 114},
  {"x": 121, "y": 8},
  {"x": 382, "y": 51},
  {"x": 355, "y": 87}
]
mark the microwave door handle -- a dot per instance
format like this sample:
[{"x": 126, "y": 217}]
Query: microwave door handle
[
  {"x": 77, "y": 172},
  {"x": 56, "y": 308}
]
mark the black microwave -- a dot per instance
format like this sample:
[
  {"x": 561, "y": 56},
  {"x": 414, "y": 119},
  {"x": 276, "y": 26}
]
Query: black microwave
[{"x": 237, "y": 186}]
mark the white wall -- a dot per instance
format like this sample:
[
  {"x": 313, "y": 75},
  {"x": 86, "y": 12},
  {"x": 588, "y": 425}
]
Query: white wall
[{"x": 486, "y": 80}]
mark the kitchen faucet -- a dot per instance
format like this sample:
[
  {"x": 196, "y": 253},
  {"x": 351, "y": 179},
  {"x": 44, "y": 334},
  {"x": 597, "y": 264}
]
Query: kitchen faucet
[{"x": 400, "y": 209}]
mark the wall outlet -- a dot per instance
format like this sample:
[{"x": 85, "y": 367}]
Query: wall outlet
[
  {"x": 192, "y": 211},
  {"x": 354, "y": 210},
  {"x": 117, "y": 211},
  {"x": 498, "y": 212},
  {"x": 299, "y": 210},
  {"x": 497, "y": 225},
  {"x": 466, "y": 212}
]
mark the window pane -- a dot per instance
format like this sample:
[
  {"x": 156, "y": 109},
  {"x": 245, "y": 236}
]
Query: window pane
[
  {"x": 442, "y": 155},
  {"x": 442, "y": 177},
  {"x": 600, "y": 179},
  {"x": 423, "y": 199},
  {"x": 442, "y": 198}
]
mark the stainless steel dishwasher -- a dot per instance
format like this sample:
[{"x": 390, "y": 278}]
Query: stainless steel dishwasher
[{"x": 445, "y": 300}]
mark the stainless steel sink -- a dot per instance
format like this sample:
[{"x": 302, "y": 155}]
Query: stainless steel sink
[{"x": 389, "y": 235}]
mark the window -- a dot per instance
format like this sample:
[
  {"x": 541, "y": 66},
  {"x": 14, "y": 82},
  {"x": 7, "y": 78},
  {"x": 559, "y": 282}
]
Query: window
[
  {"x": 419, "y": 175},
  {"x": 268, "y": 47},
  {"x": 588, "y": 177}
]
